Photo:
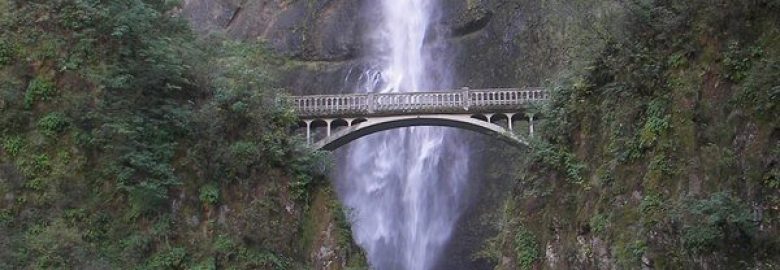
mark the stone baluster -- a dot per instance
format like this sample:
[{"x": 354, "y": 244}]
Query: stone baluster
[{"x": 370, "y": 102}]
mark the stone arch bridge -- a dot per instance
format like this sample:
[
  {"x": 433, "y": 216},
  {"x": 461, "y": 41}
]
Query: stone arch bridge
[{"x": 348, "y": 117}]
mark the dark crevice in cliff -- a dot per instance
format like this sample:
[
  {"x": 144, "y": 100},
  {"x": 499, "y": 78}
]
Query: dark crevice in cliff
[
  {"x": 472, "y": 26},
  {"x": 233, "y": 17},
  {"x": 314, "y": 58}
]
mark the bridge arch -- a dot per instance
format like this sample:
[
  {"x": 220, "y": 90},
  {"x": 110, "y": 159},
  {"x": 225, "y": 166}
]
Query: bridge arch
[
  {"x": 378, "y": 124},
  {"x": 489, "y": 111}
]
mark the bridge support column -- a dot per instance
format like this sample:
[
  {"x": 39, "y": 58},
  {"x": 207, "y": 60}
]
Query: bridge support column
[
  {"x": 308, "y": 131},
  {"x": 530, "y": 124},
  {"x": 509, "y": 121},
  {"x": 489, "y": 116},
  {"x": 327, "y": 133}
]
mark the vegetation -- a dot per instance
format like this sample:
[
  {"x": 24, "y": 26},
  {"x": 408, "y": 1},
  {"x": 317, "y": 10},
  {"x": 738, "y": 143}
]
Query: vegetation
[
  {"x": 127, "y": 142},
  {"x": 662, "y": 136}
]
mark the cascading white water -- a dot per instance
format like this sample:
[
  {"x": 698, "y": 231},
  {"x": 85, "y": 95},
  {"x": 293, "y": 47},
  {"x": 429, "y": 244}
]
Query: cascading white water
[{"x": 404, "y": 187}]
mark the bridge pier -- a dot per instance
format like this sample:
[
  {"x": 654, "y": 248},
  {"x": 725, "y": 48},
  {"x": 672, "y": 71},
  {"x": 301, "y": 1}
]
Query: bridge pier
[
  {"x": 530, "y": 124},
  {"x": 327, "y": 127},
  {"x": 509, "y": 121},
  {"x": 308, "y": 131}
]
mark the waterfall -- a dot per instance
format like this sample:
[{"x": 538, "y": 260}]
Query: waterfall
[{"x": 404, "y": 187}]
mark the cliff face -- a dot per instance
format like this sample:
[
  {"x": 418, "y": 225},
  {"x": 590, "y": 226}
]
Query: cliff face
[
  {"x": 325, "y": 39},
  {"x": 305, "y": 30}
]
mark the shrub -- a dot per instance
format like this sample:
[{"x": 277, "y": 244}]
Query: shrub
[
  {"x": 6, "y": 53},
  {"x": 701, "y": 238},
  {"x": 209, "y": 194},
  {"x": 526, "y": 248},
  {"x": 598, "y": 223},
  {"x": 738, "y": 61},
  {"x": 208, "y": 264},
  {"x": 715, "y": 221},
  {"x": 39, "y": 89},
  {"x": 629, "y": 255},
  {"x": 173, "y": 258},
  {"x": 244, "y": 153},
  {"x": 656, "y": 124},
  {"x": 653, "y": 209},
  {"x": 6, "y": 217},
  {"x": 761, "y": 88},
  {"x": 13, "y": 146},
  {"x": 560, "y": 159},
  {"x": 35, "y": 165},
  {"x": 53, "y": 124},
  {"x": 56, "y": 246},
  {"x": 146, "y": 198},
  {"x": 254, "y": 259},
  {"x": 223, "y": 244}
]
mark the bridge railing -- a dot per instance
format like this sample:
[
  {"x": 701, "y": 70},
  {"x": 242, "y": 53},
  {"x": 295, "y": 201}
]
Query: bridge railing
[{"x": 417, "y": 102}]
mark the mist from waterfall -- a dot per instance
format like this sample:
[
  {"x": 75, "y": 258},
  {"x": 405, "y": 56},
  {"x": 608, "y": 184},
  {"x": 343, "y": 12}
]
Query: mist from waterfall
[{"x": 404, "y": 187}]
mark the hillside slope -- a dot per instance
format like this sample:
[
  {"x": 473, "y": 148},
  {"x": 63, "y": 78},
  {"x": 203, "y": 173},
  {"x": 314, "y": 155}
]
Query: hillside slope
[
  {"x": 127, "y": 142},
  {"x": 661, "y": 146}
]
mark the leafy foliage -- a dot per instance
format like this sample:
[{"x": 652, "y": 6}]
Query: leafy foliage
[
  {"x": 209, "y": 194},
  {"x": 39, "y": 90},
  {"x": 717, "y": 221},
  {"x": 53, "y": 124},
  {"x": 13, "y": 146},
  {"x": 6, "y": 53},
  {"x": 675, "y": 109},
  {"x": 118, "y": 123},
  {"x": 526, "y": 248},
  {"x": 599, "y": 223}
]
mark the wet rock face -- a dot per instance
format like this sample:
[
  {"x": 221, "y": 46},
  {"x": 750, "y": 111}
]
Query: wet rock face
[
  {"x": 312, "y": 30},
  {"x": 492, "y": 39},
  {"x": 327, "y": 38},
  {"x": 324, "y": 38}
]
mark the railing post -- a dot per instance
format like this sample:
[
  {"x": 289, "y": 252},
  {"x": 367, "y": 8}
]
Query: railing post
[
  {"x": 465, "y": 98},
  {"x": 370, "y": 102}
]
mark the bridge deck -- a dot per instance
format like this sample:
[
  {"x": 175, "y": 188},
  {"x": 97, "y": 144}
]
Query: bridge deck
[{"x": 378, "y": 104}]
